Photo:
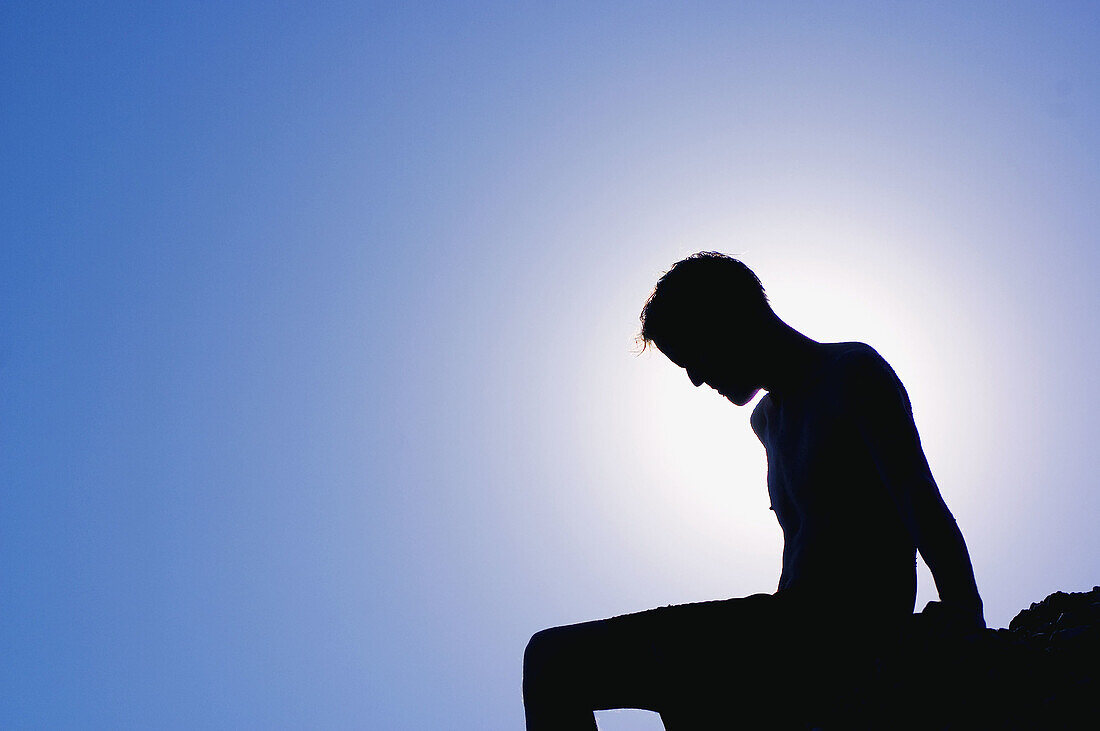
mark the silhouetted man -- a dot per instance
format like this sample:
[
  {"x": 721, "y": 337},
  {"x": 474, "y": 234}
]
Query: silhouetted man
[{"x": 854, "y": 496}]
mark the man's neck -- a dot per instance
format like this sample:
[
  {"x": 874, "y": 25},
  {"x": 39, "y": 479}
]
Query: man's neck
[{"x": 793, "y": 358}]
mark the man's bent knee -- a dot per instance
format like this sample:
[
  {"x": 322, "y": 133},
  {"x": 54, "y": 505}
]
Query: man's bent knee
[{"x": 542, "y": 661}]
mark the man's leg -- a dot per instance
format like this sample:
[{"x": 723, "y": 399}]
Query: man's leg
[
  {"x": 571, "y": 671},
  {"x": 649, "y": 660}
]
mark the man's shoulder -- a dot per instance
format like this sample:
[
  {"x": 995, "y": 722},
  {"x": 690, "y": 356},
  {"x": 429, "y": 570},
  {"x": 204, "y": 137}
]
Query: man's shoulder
[
  {"x": 863, "y": 372},
  {"x": 759, "y": 417},
  {"x": 856, "y": 352},
  {"x": 856, "y": 360}
]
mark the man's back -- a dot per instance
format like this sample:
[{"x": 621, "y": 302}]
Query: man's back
[{"x": 845, "y": 540}]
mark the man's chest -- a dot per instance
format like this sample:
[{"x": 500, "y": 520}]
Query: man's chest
[{"x": 807, "y": 443}]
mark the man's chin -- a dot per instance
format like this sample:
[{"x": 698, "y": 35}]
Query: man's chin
[{"x": 741, "y": 399}]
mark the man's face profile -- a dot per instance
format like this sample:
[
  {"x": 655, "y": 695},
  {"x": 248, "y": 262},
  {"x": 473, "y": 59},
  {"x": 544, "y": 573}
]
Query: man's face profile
[{"x": 714, "y": 361}]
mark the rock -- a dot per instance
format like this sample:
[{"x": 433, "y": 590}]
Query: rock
[{"x": 1040, "y": 673}]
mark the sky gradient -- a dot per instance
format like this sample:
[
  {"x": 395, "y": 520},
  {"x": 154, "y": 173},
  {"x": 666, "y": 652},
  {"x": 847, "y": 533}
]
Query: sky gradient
[{"x": 318, "y": 391}]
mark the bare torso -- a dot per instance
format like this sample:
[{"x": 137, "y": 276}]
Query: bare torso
[{"x": 845, "y": 543}]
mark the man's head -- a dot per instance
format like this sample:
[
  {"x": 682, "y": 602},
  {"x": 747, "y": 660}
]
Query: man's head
[{"x": 707, "y": 314}]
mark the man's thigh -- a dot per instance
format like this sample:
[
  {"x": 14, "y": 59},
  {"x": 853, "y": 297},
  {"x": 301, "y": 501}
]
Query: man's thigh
[{"x": 664, "y": 657}]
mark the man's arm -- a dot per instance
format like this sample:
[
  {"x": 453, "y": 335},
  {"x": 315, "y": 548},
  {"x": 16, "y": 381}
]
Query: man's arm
[{"x": 883, "y": 416}]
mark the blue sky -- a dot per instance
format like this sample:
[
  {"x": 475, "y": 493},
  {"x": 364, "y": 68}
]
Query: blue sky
[{"x": 317, "y": 384}]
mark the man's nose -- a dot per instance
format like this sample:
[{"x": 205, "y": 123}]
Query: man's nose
[{"x": 696, "y": 378}]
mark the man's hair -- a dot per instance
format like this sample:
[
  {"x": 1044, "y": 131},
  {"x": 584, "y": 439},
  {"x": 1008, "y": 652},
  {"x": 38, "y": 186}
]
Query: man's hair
[{"x": 700, "y": 289}]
